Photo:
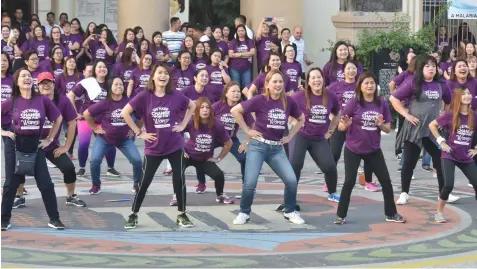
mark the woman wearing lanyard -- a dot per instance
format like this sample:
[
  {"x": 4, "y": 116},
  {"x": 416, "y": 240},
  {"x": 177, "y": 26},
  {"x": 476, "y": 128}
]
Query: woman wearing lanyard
[
  {"x": 100, "y": 73},
  {"x": 205, "y": 131},
  {"x": 140, "y": 76},
  {"x": 158, "y": 106},
  {"x": 112, "y": 132},
  {"x": 218, "y": 73},
  {"x": 28, "y": 111},
  {"x": 364, "y": 117},
  {"x": 425, "y": 94},
  {"x": 461, "y": 123},
  {"x": 272, "y": 109}
]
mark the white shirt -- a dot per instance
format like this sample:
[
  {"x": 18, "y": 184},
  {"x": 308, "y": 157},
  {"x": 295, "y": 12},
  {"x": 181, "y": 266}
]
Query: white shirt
[
  {"x": 204, "y": 38},
  {"x": 174, "y": 40},
  {"x": 48, "y": 29},
  {"x": 300, "y": 48},
  {"x": 249, "y": 32}
]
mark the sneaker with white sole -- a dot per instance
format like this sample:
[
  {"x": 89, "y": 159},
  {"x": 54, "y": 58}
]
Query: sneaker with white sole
[
  {"x": 50, "y": 164},
  {"x": 452, "y": 199},
  {"x": 470, "y": 185},
  {"x": 238, "y": 197},
  {"x": 113, "y": 172},
  {"x": 173, "y": 201},
  {"x": 403, "y": 199},
  {"x": 439, "y": 218},
  {"x": 334, "y": 197},
  {"x": 241, "y": 219},
  {"x": 294, "y": 217}
]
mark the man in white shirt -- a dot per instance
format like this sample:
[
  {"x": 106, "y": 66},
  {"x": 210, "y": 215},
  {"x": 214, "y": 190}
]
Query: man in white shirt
[
  {"x": 241, "y": 19},
  {"x": 297, "y": 39},
  {"x": 50, "y": 18},
  {"x": 174, "y": 38}
]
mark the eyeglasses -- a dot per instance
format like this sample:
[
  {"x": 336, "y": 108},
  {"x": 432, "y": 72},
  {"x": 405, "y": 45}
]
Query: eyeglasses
[{"x": 59, "y": 53}]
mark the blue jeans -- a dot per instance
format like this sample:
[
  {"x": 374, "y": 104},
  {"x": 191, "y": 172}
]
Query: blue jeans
[
  {"x": 239, "y": 156},
  {"x": 426, "y": 159},
  {"x": 127, "y": 147},
  {"x": 242, "y": 77},
  {"x": 276, "y": 158}
]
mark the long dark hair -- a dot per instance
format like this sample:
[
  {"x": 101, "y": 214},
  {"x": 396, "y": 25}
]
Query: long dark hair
[
  {"x": 151, "y": 86},
  {"x": 285, "y": 50},
  {"x": 266, "y": 68},
  {"x": 9, "y": 68},
  {"x": 153, "y": 45},
  {"x": 65, "y": 69},
  {"x": 359, "y": 94},
  {"x": 309, "y": 92},
  {"x": 110, "y": 87},
  {"x": 52, "y": 61},
  {"x": 106, "y": 86},
  {"x": 194, "y": 53},
  {"x": 126, "y": 57},
  {"x": 334, "y": 55},
  {"x": 212, "y": 51},
  {"x": 109, "y": 37},
  {"x": 419, "y": 73},
  {"x": 244, "y": 28},
  {"x": 126, "y": 34},
  {"x": 452, "y": 74},
  {"x": 15, "y": 89},
  {"x": 80, "y": 30}
]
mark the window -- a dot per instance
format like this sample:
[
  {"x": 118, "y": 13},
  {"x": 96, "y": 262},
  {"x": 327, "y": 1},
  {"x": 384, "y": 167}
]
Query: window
[{"x": 371, "y": 5}]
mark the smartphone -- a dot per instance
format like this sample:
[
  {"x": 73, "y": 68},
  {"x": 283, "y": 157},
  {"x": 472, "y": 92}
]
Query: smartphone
[{"x": 268, "y": 19}]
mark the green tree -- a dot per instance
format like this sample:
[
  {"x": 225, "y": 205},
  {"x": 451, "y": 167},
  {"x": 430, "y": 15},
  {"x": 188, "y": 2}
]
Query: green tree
[{"x": 214, "y": 12}]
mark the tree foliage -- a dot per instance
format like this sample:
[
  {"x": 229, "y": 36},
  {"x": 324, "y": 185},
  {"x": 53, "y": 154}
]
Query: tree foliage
[{"x": 214, "y": 12}]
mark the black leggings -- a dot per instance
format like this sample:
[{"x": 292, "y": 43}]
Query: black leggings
[
  {"x": 448, "y": 170},
  {"x": 413, "y": 152},
  {"x": 398, "y": 149},
  {"x": 66, "y": 166},
  {"x": 337, "y": 141},
  {"x": 320, "y": 152},
  {"x": 150, "y": 165},
  {"x": 207, "y": 168},
  {"x": 378, "y": 165}
]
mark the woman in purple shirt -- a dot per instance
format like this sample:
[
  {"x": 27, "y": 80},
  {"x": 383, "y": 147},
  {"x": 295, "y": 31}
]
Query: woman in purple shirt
[
  {"x": 460, "y": 76},
  {"x": 218, "y": 73},
  {"x": 100, "y": 73},
  {"x": 57, "y": 40},
  {"x": 183, "y": 71},
  {"x": 112, "y": 132},
  {"x": 128, "y": 37},
  {"x": 457, "y": 150},
  {"x": 292, "y": 68},
  {"x": 217, "y": 43},
  {"x": 56, "y": 62},
  {"x": 7, "y": 45},
  {"x": 425, "y": 94},
  {"x": 33, "y": 65},
  {"x": 205, "y": 131},
  {"x": 39, "y": 43},
  {"x": 448, "y": 58},
  {"x": 199, "y": 57},
  {"x": 241, "y": 51},
  {"x": 321, "y": 110},
  {"x": 159, "y": 50},
  {"x": 27, "y": 110},
  {"x": 263, "y": 39},
  {"x": 364, "y": 118},
  {"x": 158, "y": 106},
  {"x": 102, "y": 47},
  {"x": 334, "y": 69},
  {"x": 126, "y": 65},
  {"x": 140, "y": 76},
  {"x": 7, "y": 78},
  {"x": 272, "y": 109},
  {"x": 199, "y": 89}
]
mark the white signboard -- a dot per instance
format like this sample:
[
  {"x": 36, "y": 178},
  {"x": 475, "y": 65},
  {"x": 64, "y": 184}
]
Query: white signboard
[
  {"x": 462, "y": 9},
  {"x": 180, "y": 9},
  {"x": 98, "y": 11}
]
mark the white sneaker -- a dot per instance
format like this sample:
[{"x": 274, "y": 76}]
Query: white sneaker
[
  {"x": 403, "y": 199},
  {"x": 238, "y": 196},
  {"x": 470, "y": 185},
  {"x": 413, "y": 177},
  {"x": 294, "y": 217},
  {"x": 452, "y": 199},
  {"x": 241, "y": 219},
  {"x": 50, "y": 164}
]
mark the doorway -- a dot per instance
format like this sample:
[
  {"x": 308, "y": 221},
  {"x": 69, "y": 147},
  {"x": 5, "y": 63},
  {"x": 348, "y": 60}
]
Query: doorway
[{"x": 28, "y": 6}]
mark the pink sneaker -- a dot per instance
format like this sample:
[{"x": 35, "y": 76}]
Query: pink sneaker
[
  {"x": 325, "y": 188},
  {"x": 173, "y": 201},
  {"x": 200, "y": 188},
  {"x": 224, "y": 199},
  {"x": 371, "y": 187},
  {"x": 95, "y": 190}
]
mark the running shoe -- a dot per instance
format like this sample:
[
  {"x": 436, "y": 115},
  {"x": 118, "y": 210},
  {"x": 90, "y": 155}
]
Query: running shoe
[
  {"x": 184, "y": 221},
  {"x": 427, "y": 169},
  {"x": 339, "y": 221},
  {"x": 81, "y": 172},
  {"x": 50, "y": 164},
  {"x": 334, "y": 197},
  {"x": 200, "y": 188},
  {"x": 396, "y": 218},
  {"x": 173, "y": 202},
  {"x": 25, "y": 192},
  {"x": 403, "y": 199},
  {"x": 167, "y": 172},
  {"x": 19, "y": 202},
  {"x": 132, "y": 222},
  {"x": 96, "y": 189},
  {"x": 439, "y": 218},
  {"x": 75, "y": 200},
  {"x": 241, "y": 219},
  {"x": 325, "y": 188},
  {"x": 6, "y": 225},
  {"x": 224, "y": 199},
  {"x": 371, "y": 187},
  {"x": 452, "y": 199},
  {"x": 294, "y": 217},
  {"x": 113, "y": 173},
  {"x": 56, "y": 224}
]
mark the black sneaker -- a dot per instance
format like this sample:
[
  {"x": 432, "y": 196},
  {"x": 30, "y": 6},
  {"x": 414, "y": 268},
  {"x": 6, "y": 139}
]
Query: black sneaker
[
  {"x": 81, "y": 172},
  {"x": 56, "y": 224},
  {"x": 280, "y": 208},
  {"x": 75, "y": 200},
  {"x": 339, "y": 220},
  {"x": 132, "y": 222},
  {"x": 25, "y": 192},
  {"x": 184, "y": 221},
  {"x": 6, "y": 225},
  {"x": 396, "y": 218},
  {"x": 427, "y": 169},
  {"x": 297, "y": 207},
  {"x": 112, "y": 172},
  {"x": 19, "y": 202}
]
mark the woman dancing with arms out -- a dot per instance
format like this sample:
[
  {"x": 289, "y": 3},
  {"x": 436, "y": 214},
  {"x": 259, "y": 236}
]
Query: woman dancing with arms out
[
  {"x": 461, "y": 122},
  {"x": 364, "y": 117},
  {"x": 158, "y": 106},
  {"x": 272, "y": 109}
]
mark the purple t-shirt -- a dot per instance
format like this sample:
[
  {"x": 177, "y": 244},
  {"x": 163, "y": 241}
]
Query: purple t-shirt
[
  {"x": 98, "y": 52},
  {"x": 317, "y": 118},
  {"x": 201, "y": 145},
  {"x": 160, "y": 115},
  {"x": 79, "y": 91},
  {"x": 222, "y": 112},
  {"x": 30, "y": 114},
  {"x": 446, "y": 67},
  {"x": 200, "y": 63},
  {"x": 263, "y": 49},
  {"x": 399, "y": 79},
  {"x": 42, "y": 47},
  {"x": 161, "y": 51},
  {"x": 406, "y": 92},
  {"x": 364, "y": 136},
  {"x": 67, "y": 111},
  {"x": 471, "y": 83},
  {"x": 344, "y": 91},
  {"x": 140, "y": 78},
  {"x": 56, "y": 69},
  {"x": 71, "y": 39},
  {"x": 124, "y": 71},
  {"x": 338, "y": 73},
  {"x": 8, "y": 49},
  {"x": 293, "y": 71},
  {"x": 65, "y": 85},
  {"x": 259, "y": 82},
  {"x": 182, "y": 78},
  {"x": 64, "y": 48},
  {"x": 116, "y": 129},
  {"x": 122, "y": 45},
  {"x": 236, "y": 46},
  {"x": 7, "y": 83},
  {"x": 193, "y": 95},
  {"x": 222, "y": 45},
  {"x": 216, "y": 81},
  {"x": 271, "y": 117},
  {"x": 460, "y": 141}
]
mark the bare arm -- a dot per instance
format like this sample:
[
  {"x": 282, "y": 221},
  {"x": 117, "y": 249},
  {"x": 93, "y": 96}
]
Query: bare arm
[
  {"x": 55, "y": 127},
  {"x": 90, "y": 120},
  {"x": 392, "y": 86},
  {"x": 299, "y": 123},
  {"x": 130, "y": 88},
  {"x": 189, "y": 112},
  {"x": 225, "y": 149}
]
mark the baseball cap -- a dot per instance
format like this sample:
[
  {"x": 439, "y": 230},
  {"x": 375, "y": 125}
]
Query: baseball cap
[{"x": 45, "y": 75}]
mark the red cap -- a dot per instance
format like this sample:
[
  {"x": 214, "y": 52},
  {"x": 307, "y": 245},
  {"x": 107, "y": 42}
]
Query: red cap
[{"x": 45, "y": 75}]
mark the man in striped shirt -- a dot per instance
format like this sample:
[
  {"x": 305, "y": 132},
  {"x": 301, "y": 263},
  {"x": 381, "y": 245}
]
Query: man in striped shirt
[{"x": 174, "y": 38}]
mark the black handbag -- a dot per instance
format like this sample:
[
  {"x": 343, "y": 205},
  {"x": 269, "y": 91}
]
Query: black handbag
[{"x": 24, "y": 162}]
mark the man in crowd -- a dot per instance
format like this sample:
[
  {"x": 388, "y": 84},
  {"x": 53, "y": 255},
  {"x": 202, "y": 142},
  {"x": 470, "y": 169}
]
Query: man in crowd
[
  {"x": 297, "y": 39},
  {"x": 50, "y": 18},
  {"x": 174, "y": 38},
  {"x": 241, "y": 19},
  {"x": 19, "y": 22}
]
